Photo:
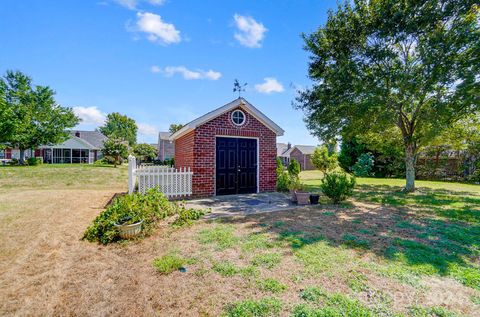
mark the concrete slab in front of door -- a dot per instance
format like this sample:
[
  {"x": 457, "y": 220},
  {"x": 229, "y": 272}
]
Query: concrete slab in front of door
[{"x": 239, "y": 205}]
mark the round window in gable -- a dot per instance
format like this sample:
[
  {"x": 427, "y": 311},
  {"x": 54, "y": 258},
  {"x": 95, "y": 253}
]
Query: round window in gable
[{"x": 238, "y": 117}]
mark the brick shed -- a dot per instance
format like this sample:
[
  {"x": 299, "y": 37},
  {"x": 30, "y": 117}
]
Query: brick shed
[{"x": 231, "y": 150}]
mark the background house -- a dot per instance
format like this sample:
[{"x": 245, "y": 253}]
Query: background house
[
  {"x": 165, "y": 147},
  {"x": 283, "y": 152},
  {"x": 303, "y": 154},
  {"x": 80, "y": 147},
  {"x": 231, "y": 150}
]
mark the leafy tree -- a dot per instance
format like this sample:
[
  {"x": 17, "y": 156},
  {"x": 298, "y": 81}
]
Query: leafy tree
[
  {"x": 145, "y": 151},
  {"x": 174, "y": 127},
  {"x": 294, "y": 168},
  {"x": 29, "y": 115},
  {"x": 364, "y": 165},
  {"x": 115, "y": 150},
  {"x": 350, "y": 150},
  {"x": 323, "y": 160},
  {"x": 119, "y": 126},
  {"x": 412, "y": 66}
]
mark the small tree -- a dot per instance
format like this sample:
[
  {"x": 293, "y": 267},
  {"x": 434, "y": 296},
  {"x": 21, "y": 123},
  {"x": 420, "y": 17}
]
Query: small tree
[
  {"x": 282, "y": 177},
  {"x": 145, "y": 152},
  {"x": 115, "y": 150},
  {"x": 364, "y": 165},
  {"x": 323, "y": 160},
  {"x": 121, "y": 127},
  {"x": 294, "y": 168},
  {"x": 174, "y": 127}
]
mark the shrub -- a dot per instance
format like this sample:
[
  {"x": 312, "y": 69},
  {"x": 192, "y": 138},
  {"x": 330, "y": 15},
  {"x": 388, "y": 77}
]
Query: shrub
[
  {"x": 282, "y": 177},
  {"x": 131, "y": 208},
  {"x": 338, "y": 186},
  {"x": 168, "y": 263},
  {"x": 33, "y": 161},
  {"x": 294, "y": 168},
  {"x": 364, "y": 165},
  {"x": 13, "y": 162}
]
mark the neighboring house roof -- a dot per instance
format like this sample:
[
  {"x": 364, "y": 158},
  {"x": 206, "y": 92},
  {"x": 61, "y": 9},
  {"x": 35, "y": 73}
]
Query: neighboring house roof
[
  {"x": 305, "y": 149},
  {"x": 94, "y": 138},
  {"x": 281, "y": 148},
  {"x": 240, "y": 102},
  {"x": 163, "y": 136}
]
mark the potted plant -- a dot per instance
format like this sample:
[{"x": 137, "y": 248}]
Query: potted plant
[
  {"x": 298, "y": 194},
  {"x": 293, "y": 186},
  {"x": 129, "y": 227}
]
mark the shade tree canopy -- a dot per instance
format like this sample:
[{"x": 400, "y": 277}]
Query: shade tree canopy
[
  {"x": 29, "y": 114},
  {"x": 412, "y": 66},
  {"x": 118, "y": 126}
]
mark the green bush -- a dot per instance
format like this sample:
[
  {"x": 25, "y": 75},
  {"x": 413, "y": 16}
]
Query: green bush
[
  {"x": 294, "y": 168},
  {"x": 282, "y": 177},
  {"x": 13, "y": 162},
  {"x": 364, "y": 165},
  {"x": 127, "y": 209},
  {"x": 33, "y": 161},
  {"x": 338, "y": 186}
]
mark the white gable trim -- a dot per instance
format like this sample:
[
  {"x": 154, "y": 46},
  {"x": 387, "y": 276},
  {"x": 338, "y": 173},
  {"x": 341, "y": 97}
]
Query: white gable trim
[{"x": 240, "y": 102}]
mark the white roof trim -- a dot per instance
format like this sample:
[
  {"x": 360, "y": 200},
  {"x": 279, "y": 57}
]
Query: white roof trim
[{"x": 240, "y": 102}]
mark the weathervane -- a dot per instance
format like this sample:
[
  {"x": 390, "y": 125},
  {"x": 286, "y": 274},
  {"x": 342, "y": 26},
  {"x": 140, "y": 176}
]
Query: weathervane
[{"x": 238, "y": 87}]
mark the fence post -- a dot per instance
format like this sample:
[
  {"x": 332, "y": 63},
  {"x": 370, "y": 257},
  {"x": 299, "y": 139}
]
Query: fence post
[{"x": 132, "y": 165}]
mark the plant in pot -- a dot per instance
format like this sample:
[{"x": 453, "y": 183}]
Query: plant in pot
[
  {"x": 129, "y": 226},
  {"x": 298, "y": 194}
]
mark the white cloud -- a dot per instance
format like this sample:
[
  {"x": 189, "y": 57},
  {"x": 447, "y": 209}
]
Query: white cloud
[
  {"x": 155, "y": 69},
  {"x": 132, "y": 4},
  {"x": 188, "y": 74},
  {"x": 156, "y": 29},
  {"x": 147, "y": 129},
  {"x": 251, "y": 32},
  {"x": 90, "y": 115},
  {"x": 269, "y": 85}
]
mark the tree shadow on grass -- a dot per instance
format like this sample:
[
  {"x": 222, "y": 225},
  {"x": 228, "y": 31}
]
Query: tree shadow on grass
[{"x": 417, "y": 243}]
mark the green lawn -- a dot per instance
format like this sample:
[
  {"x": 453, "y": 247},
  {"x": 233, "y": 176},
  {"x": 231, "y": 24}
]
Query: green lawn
[
  {"x": 57, "y": 176},
  {"x": 448, "y": 200}
]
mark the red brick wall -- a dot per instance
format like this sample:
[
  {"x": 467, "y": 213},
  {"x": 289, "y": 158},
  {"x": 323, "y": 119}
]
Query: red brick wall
[
  {"x": 198, "y": 152},
  {"x": 184, "y": 150},
  {"x": 304, "y": 160}
]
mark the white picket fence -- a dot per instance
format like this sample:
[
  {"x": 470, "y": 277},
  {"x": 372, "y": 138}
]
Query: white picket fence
[{"x": 170, "y": 181}]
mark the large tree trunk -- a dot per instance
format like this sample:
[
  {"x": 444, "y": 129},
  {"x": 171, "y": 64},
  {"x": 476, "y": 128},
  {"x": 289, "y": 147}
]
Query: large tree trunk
[
  {"x": 410, "y": 158},
  {"x": 22, "y": 157}
]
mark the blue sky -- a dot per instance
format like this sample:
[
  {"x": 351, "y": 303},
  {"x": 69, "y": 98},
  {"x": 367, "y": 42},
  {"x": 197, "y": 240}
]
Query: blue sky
[{"x": 163, "y": 62}]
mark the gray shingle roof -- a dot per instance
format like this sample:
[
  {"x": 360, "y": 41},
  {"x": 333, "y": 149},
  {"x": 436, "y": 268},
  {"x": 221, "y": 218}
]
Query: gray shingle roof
[
  {"x": 94, "y": 138},
  {"x": 306, "y": 149},
  {"x": 281, "y": 148},
  {"x": 163, "y": 135}
]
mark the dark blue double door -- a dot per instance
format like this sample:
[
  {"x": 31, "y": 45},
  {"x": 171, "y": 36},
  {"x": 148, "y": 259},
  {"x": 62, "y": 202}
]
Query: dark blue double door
[{"x": 236, "y": 166}]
